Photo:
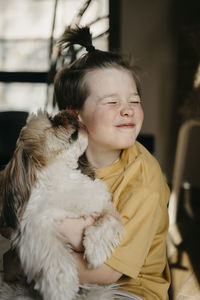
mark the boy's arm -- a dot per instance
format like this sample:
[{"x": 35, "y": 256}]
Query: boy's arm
[
  {"x": 73, "y": 230},
  {"x": 101, "y": 275}
]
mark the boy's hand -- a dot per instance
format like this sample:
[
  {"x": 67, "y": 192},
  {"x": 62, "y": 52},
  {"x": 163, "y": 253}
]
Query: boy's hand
[{"x": 73, "y": 230}]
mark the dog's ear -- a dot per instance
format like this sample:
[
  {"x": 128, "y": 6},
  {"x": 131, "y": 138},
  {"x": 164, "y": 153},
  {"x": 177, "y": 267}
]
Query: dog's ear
[
  {"x": 17, "y": 180},
  {"x": 65, "y": 118}
]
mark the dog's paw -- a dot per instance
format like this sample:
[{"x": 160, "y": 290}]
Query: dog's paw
[
  {"x": 100, "y": 240},
  {"x": 95, "y": 250}
]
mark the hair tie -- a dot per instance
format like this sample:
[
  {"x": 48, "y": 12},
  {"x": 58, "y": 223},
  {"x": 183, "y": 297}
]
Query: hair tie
[{"x": 90, "y": 48}]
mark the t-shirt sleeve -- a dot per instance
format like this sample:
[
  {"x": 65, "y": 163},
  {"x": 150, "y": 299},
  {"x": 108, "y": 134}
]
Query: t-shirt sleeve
[
  {"x": 140, "y": 231},
  {"x": 143, "y": 209}
]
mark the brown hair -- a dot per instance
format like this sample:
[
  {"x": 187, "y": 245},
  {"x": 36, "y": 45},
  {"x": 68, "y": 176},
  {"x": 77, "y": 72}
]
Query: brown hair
[{"x": 69, "y": 87}]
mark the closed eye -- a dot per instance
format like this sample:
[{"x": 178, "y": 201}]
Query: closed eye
[
  {"x": 135, "y": 102},
  {"x": 134, "y": 99}
]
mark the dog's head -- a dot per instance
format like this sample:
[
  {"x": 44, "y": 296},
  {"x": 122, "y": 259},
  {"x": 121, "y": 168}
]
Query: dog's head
[{"x": 42, "y": 139}]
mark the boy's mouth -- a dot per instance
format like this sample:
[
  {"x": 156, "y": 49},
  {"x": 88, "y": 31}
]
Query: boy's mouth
[{"x": 126, "y": 125}]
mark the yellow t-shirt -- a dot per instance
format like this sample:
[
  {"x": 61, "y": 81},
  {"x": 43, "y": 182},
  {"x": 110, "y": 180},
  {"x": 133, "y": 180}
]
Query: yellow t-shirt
[{"x": 141, "y": 195}]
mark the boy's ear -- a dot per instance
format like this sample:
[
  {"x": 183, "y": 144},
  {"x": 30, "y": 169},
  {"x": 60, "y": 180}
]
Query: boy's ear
[
  {"x": 79, "y": 117},
  {"x": 80, "y": 120}
]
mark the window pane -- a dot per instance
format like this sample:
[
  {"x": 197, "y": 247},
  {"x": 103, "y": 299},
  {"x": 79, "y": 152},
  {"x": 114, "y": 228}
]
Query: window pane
[
  {"x": 25, "y": 30},
  {"x": 22, "y": 96}
]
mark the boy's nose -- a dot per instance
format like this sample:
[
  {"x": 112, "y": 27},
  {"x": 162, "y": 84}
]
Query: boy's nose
[{"x": 127, "y": 110}]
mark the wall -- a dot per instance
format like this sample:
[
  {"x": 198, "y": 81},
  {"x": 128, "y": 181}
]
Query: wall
[{"x": 149, "y": 35}]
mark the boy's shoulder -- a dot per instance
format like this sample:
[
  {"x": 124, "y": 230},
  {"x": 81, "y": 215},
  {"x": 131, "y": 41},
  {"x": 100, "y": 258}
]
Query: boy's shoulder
[
  {"x": 139, "y": 152},
  {"x": 137, "y": 156},
  {"x": 150, "y": 170}
]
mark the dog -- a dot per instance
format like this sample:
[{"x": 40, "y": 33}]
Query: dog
[{"x": 41, "y": 186}]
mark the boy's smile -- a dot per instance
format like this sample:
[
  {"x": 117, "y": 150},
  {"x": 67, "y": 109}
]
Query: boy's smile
[{"x": 126, "y": 125}]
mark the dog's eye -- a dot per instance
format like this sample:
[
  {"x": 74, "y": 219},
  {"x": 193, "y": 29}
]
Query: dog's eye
[{"x": 74, "y": 136}]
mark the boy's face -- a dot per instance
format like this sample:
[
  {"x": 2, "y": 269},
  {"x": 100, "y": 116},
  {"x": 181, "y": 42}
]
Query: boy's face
[{"x": 112, "y": 113}]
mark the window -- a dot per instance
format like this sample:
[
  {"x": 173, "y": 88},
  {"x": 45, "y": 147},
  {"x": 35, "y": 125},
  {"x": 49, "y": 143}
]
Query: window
[{"x": 27, "y": 28}]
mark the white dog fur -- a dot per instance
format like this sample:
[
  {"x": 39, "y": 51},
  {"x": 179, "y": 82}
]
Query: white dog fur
[{"x": 57, "y": 189}]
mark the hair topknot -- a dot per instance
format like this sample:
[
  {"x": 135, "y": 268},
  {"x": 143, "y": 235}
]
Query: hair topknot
[
  {"x": 77, "y": 35},
  {"x": 71, "y": 87}
]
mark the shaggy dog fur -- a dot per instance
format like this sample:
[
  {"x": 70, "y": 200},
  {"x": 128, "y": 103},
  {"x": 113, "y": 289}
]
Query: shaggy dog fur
[{"x": 40, "y": 187}]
